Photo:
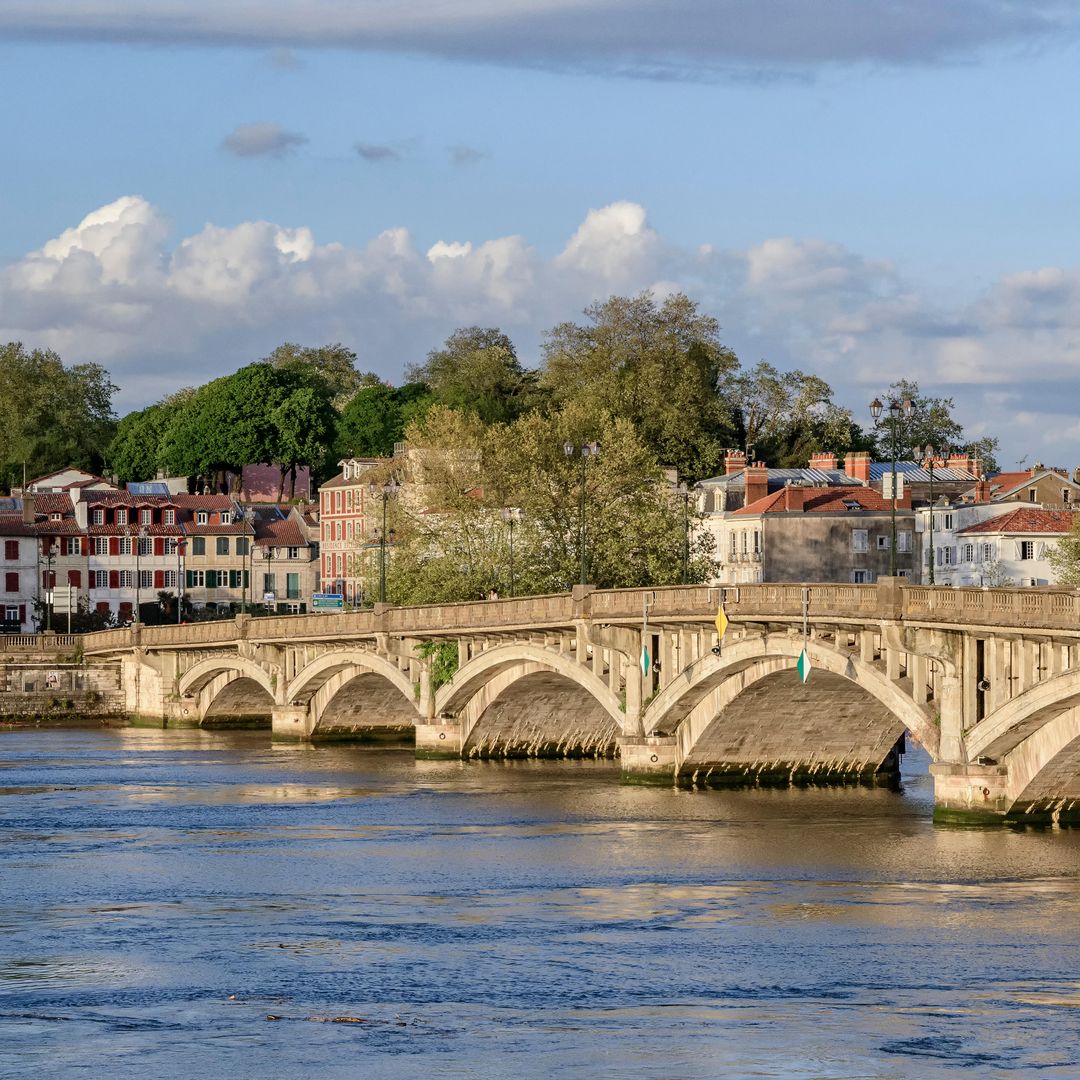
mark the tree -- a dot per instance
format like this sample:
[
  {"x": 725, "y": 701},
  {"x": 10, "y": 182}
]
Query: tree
[
  {"x": 376, "y": 417},
  {"x": 784, "y": 416},
  {"x": 478, "y": 370},
  {"x": 335, "y": 364},
  {"x": 657, "y": 366},
  {"x": 1064, "y": 556},
  {"x": 51, "y": 415},
  {"x": 135, "y": 451},
  {"x": 305, "y": 431}
]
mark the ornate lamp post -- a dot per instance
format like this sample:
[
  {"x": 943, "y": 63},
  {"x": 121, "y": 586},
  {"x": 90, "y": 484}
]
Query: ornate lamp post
[
  {"x": 249, "y": 518},
  {"x": 899, "y": 411},
  {"x": 51, "y": 553},
  {"x": 684, "y": 494},
  {"x": 512, "y": 516},
  {"x": 587, "y": 451},
  {"x": 268, "y": 557},
  {"x": 181, "y": 547},
  {"x": 140, "y": 536},
  {"x": 930, "y": 465},
  {"x": 387, "y": 490}
]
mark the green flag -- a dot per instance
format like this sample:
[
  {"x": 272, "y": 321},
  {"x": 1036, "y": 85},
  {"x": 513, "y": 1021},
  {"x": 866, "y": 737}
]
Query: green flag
[
  {"x": 802, "y": 666},
  {"x": 644, "y": 660}
]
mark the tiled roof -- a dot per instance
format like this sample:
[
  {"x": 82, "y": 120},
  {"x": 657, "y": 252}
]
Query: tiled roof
[
  {"x": 203, "y": 502},
  {"x": 281, "y": 532},
  {"x": 827, "y": 500},
  {"x": 13, "y": 525},
  {"x": 124, "y": 498},
  {"x": 1028, "y": 519},
  {"x": 53, "y": 504}
]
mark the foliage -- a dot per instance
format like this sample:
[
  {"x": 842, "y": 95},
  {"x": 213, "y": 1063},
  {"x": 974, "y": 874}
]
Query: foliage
[
  {"x": 376, "y": 417},
  {"x": 85, "y": 620},
  {"x": 657, "y": 366},
  {"x": 134, "y": 451},
  {"x": 478, "y": 370},
  {"x": 334, "y": 364},
  {"x": 1064, "y": 556},
  {"x": 51, "y": 416},
  {"x": 782, "y": 417},
  {"x": 443, "y": 656}
]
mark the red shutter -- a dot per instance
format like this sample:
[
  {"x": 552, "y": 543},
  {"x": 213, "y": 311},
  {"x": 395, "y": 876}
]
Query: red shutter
[
  {"x": 159, "y": 579},
  {"x": 84, "y": 545},
  {"x": 11, "y": 550},
  {"x": 114, "y": 579},
  {"x": 159, "y": 545},
  {"x": 22, "y": 614},
  {"x": 114, "y": 545},
  {"x": 75, "y": 578},
  {"x": 11, "y": 582},
  {"x": 103, "y": 607}
]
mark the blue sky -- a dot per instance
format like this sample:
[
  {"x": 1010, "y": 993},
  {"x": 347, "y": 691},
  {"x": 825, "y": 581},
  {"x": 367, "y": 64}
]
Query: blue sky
[{"x": 883, "y": 189}]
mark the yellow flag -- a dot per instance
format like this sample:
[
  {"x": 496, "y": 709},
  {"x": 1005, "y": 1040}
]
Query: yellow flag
[{"x": 721, "y": 621}]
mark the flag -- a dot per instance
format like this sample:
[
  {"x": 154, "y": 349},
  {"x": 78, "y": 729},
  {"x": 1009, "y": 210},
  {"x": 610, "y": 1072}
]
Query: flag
[
  {"x": 802, "y": 666},
  {"x": 721, "y": 621},
  {"x": 644, "y": 660}
]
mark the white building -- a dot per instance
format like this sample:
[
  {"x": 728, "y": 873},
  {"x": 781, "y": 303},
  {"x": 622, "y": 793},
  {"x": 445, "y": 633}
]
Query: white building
[
  {"x": 954, "y": 564},
  {"x": 1016, "y": 545}
]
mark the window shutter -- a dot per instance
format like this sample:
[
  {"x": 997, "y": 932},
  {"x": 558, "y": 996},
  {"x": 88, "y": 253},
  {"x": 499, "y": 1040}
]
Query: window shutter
[
  {"x": 114, "y": 579},
  {"x": 114, "y": 545},
  {"x": 11, "y": 582},
  {"x": 159, "y": 545},
  {"x": 211, "y": 579},
  {"x": 1019, "y": 549},
  {"x": 75, "y": 578},
  {"x": 190, "y": 577},
  {"x": 22, "y": 613},
  {"x": 159, "y": 579},
  {"x": 1041, "y": 552}
]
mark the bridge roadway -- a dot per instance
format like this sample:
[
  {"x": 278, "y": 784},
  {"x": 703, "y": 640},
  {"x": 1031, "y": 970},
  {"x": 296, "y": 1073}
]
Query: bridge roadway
[{"x": 988, "y": 681}]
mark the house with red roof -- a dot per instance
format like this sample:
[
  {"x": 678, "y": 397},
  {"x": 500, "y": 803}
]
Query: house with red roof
[{"x": 1011, "y": 548}]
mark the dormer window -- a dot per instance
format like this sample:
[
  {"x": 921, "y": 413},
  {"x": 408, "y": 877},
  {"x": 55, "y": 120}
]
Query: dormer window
[
  {"x": 146, "y": 517},
  {"x": 226, "y": 517},
  {"x": 169, "y": 517},
  {"x": 347, "y": 472},
  {"x": 99, "y": 517},
  {"x": 56, "y": 517},
  {"x": 121, "y": 517},
  {"x": 202, "y": 517}
]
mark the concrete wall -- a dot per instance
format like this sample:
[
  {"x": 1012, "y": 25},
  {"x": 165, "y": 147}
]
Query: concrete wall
[
  {"x": 818, "y": 547},
  {"x": 58, "y": 691}
]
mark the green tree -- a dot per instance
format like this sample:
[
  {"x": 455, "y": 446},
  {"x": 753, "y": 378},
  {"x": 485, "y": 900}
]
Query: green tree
[
  {"x": 135, "y": 451},
  {"x": 478, "y": 370},
  {"x": 656, "y": 365},
  {"x": 51, "y": 415},
  {"x": 376, "y": 417},
  {"x": 1064, "y": 556},
  {"x": 335, "y": 364}
]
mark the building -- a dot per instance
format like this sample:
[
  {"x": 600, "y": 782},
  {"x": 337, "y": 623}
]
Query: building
[
  {"x": 1011, "y": 548},
  {"x": 1046, "y": 487},
  {"x": 20, "y": 546},
  {"x": 286, "y": 558},
  {"x": 800, "y": 533},
  {"x": 349, "y": 515},
  {"x": 217, "y": 552}
]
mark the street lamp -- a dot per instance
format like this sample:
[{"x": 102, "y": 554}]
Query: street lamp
[
  {"x": 512, "y": 516},
  {"x": 51, "y": 552},
  {"x": 139, "y": 538},
  {"x": 249, "y": 518},
  {"x": 899, "y": 411},
  {"x": 587, "y": 451},
  {"x": 929, "y": 451},
  {"x": 181, "y": 547},
  {"x": 684, "y": 494},
  {"x": 268, "y": 557},
  {"x": 387, "y": 490}
]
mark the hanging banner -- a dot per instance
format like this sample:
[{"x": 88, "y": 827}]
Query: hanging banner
[
  {"x": 802, "y": 666},
  {"x": 721, "y": 621},
  {"x": 644, "y": 660}
]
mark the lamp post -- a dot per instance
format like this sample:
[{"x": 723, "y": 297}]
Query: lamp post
[
  {"x": 268, "y": 557},
  {"x": 140, "y": 536},
  {"x": 385, "y": 491},
  {"x": 512, "y": 516},
  {"x": 181, "y": 547},
  {"x": 50, "y": 553},
  {"x": 249, "y": 518},
  {"x": 930, "y": 465},
  {"x": 587, "y": 451},
  {"x": 684, "y": 494},
  {"x": 899, "y": 411}
]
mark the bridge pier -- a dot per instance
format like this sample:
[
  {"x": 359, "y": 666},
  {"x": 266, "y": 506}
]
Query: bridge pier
[
  {"x": 970, "y": 794},
  {"x": 439, "y": 738},
  {"x": 291, "y": 722},
  {"x": 648, "y": 759}
]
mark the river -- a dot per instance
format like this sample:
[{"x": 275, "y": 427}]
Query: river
[{"x": 186, "y": 904}]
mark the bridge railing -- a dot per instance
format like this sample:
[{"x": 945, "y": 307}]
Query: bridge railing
[{"x": 1033, "y": 608}]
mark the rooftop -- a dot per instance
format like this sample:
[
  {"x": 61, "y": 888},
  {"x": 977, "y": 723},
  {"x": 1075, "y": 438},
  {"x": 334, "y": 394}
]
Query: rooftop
[
  {"x": 822, "y": 500},
  {"x": 1028, "y": 519}
]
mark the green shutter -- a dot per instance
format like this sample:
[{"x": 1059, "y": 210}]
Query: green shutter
[
  {"x": 191, "y": 579},
  {"x": 211, "y": 579},
  {"x": 234, "y": 579}
]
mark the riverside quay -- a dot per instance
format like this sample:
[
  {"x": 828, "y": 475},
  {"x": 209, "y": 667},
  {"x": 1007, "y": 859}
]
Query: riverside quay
[{"x": 703, "y": 685}]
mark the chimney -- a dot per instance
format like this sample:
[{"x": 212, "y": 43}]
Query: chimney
[
  {"x": 756, "y": 480},
  {"x": 734, "y": 461},
  {"x": 962, "y": 462},
  {"x": 28, "y": 508},
  {"x": 822, "y": 460},
  {"x": 857, "y": 466},
  {"x": 982, "y": 490},
  {"x": 794, "y": 496}
]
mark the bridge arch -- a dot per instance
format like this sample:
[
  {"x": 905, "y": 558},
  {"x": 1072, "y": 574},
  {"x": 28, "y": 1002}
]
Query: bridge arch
[
  {"x": 355, "y": 693},
  {"x": 1012, "y": 723},
  {"x": 843, "y": 722},
  {"x": 524, "y": 701},
  {"x": 230, "y": 690}
]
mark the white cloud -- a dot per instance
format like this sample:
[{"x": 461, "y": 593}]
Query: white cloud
[
  {"x": 262, "y": 140},
  {"x": 684, "y": 38},
  {"x": 113, "y": 289}
]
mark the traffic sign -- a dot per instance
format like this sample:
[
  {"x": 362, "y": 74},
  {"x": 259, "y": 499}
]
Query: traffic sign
[{"x": 321, "y": 601}]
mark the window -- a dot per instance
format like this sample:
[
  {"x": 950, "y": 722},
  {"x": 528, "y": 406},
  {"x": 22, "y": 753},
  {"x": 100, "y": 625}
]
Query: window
[
  {"x": 99, "y": 517},
  {"x": 11, "y": 550},
  {"x": 101, "y": 546},
  {"x": 101, "y": 579},
  {"x": 860, "y": 540},
  {"x": 212, "y": 579},
  {"x": 11, "y": 583},
  {"x": 903, "y": 573},
  {"x": 337, "y": 501},
  {"x": 884, "y": 542},
  {"x": 337, "y": 530},
  {"x": 731, "y": 549},
  {"x": 196, "y": 579},
  {"x": 223, "y": 545},
  {"x": 75, "y": 578},
  {"x": 72, "y": 545},
  {"x": 348, "y": 501},
  {"x": 243, "y": 544},
  {"x": 330, "y": 561},
  {"x": 146, "y": 517},
  {"x": 146, "y": 546},
  {"x": 198, "y": 545},
  {"x": 946, "y": 556},
  {"x": 11, "y": 615},
  {"x": 225, "y": 517},
  {"x": 169, "y": 581},
  {"x": 339, "y": 565},
  {"x": 967, "y": 553},
  {"x": 56, "y": 517},
  {"x": 293, "y": 553},
  {"x": 121, "y": 517},
  {"x": 757, "y": 542},
  {"x": 1027, "y": 549},
  {"x": 170, "y": 546},
  {"x": 903, "y": 540},
  {"x": 146, "y": 579},
  {"x": 1065, "y": 495},
  {"x": 987, "y": 552},
  {"x": 127, "y": 579},
  {"x": 201, "y": 517},
  {"x": 860, "y": 577},
  {"x": 1033, "y": 494},
  {"x": 292, "y": 586},
  {"x": 168, "y": 517},
  {"x": 125, "y": 545},
  {"x": 268, "y": 583},
  {"x": 326, "y": 502},
  {"x": 348, "y": 530}
]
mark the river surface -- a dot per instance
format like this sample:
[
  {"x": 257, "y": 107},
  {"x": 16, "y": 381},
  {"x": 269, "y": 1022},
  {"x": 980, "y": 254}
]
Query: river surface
[{"x": 184, "y": 904}]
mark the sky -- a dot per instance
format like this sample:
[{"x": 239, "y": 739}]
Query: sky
[{"x": 865, "y": 189}]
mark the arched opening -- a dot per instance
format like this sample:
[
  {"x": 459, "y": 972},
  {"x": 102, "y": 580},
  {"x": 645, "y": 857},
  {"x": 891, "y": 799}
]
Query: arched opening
[
  {"x": 537, "y": 713},
  {"x": 236, "y": 702},
  {"x": 363, "y": 707},
  {"x": 763, "y": 726},
  {"x": 1044, "y": 772}
]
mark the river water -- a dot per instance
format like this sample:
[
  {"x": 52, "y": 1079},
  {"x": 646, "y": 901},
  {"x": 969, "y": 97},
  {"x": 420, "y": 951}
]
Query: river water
[{"x": 184, "y": 904}]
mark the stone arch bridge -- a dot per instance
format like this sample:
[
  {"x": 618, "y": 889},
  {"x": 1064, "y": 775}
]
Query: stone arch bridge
[{"x": 988, "y": 681}]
